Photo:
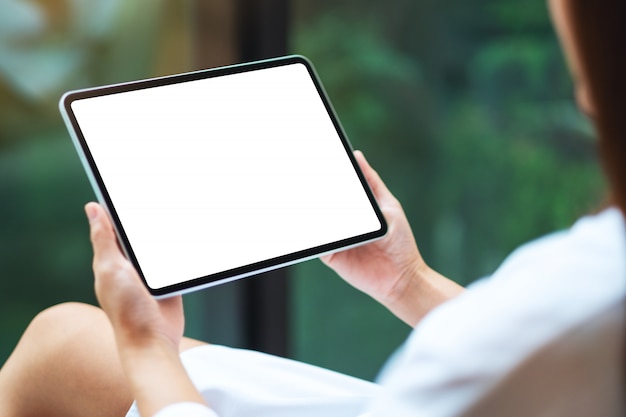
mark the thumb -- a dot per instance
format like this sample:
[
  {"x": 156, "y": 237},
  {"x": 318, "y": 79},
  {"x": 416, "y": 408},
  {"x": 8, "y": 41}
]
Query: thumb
[
  {"x": 103, "y": 238},
  {"x": 378, "y": 187},
  {"x": 116, "y": 283}
]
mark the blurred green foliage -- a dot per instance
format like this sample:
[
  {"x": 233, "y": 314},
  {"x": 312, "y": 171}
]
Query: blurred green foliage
[
  {"x": 466, "y": 111},
  {"x": 46, "y": 48},
  {"x": 464, "y": 108}
]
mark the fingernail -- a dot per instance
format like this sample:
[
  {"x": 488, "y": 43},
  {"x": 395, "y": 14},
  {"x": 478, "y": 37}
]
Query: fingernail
[{"x": 91, "y": 211}]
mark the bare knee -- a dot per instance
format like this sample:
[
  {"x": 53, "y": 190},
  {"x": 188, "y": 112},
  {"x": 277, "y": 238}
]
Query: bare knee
[
  {"x": 66, "y": 357},
  {"x": 66, "y": 317},
  {"x": 58, "y": 328},
  {"x": 61, "y": 326}
]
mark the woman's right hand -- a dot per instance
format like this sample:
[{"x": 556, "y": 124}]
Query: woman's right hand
[{"x": 391, "y": 270}]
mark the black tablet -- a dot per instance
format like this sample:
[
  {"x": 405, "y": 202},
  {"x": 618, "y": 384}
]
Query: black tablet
[{"x": 220, "y": 174}]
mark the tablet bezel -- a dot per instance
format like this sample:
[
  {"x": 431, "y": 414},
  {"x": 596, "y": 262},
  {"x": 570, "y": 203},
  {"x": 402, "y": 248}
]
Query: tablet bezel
[{"x": 240, "y": 272}]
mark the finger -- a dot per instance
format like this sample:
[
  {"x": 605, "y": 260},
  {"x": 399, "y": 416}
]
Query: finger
[
  {"x": 380, "y": 190},
  {"x": 102, "y": 236}
]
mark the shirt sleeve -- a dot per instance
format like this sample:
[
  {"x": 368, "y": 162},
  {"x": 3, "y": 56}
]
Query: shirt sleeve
[
  {"x": 187, "y": 409},
  {"x": 537, "y": 338}
]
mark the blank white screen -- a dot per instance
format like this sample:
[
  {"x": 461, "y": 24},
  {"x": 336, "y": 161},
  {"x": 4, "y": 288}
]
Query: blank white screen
[{"x": 219, "y": 173}]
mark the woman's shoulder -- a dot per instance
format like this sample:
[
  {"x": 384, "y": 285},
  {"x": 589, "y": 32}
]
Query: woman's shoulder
[
  {"x": 561, "y": 279},
  {"x": 545, "y": 301},
  {"x": 591, "y": 254},
  {"x": 541, "y": 291}
]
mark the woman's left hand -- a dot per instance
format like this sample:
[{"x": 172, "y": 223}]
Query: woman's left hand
[
  {"x": 147, "y": 331},
  {"x": 137, "y": 318}
]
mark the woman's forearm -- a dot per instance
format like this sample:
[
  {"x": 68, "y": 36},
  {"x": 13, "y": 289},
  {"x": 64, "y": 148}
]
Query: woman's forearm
[
  {"x": 422, "y": 290},
  {"x": 157, "y": 378}
]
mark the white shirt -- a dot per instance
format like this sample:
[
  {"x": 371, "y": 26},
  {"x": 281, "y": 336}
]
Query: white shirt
[{"x": 544, "y": 336}]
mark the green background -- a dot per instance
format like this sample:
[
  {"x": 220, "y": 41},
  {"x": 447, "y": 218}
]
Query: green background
[{"x": 464, "y": 108}]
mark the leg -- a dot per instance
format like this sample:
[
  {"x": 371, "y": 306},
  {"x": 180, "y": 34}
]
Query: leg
[{"x": 66, "y": 364}]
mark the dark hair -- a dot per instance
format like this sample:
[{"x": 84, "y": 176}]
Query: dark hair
[{"x": 600, "y": 38}]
